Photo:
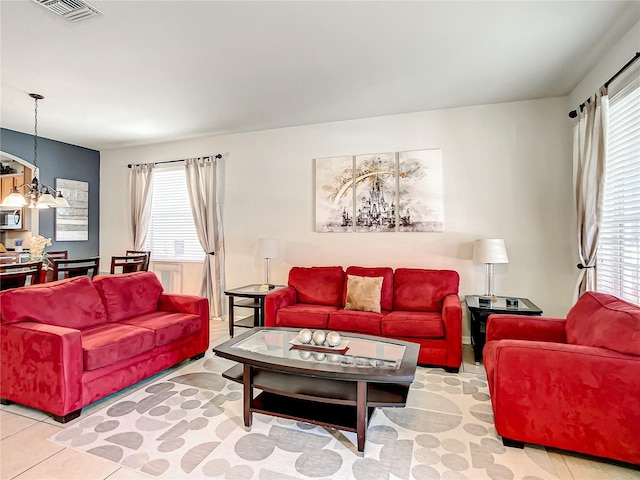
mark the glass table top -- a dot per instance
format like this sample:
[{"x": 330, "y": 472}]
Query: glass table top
[{"x": 361, "y": 352}]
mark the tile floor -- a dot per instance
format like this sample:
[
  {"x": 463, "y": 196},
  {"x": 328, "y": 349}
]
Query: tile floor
[{"x": 26, "y": 454}]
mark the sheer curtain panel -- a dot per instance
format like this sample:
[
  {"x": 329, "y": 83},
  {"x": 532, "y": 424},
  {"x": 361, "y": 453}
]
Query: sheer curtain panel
[
  {"x": 201, "y": 184},
  {"x": 588, "y": 171},
  {"x": 141, "y": 179}
]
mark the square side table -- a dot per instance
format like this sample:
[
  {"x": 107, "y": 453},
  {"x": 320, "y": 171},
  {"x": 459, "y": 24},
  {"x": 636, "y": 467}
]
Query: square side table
[
  {"x": 479, "y": 315},
  {"x": 248, "y": 296}
]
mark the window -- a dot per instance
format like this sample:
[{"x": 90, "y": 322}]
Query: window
[
  {"x": 172, "y": 233},
  {"x": 618, "y": 264}
]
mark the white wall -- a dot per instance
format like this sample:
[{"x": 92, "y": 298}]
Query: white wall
[
  {"x": 610, "y": 63},
  {"x": 507, "y": 174}
]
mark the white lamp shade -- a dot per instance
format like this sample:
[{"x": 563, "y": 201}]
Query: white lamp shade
[
  {"x": 14, "y": 199},
  {"x": 48, "y": 200},
  {"x": 61, "y": 201},
  {"x": 268, "y": 248},
  {"x": 490, "y": 250}
]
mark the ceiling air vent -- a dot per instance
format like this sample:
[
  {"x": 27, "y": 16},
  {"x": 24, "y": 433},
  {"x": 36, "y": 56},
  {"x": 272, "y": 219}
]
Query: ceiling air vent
[{"x": 72, "y": 10}]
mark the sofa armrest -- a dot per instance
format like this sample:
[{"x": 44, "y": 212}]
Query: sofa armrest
[
  {"x": 523, "y": 327},
  {"x": 41, "y": 366},
  {"x": 179, "y": 303},
  {"x": 564, "y": 395},
  {"x": 274, "y": 301},
  {"x": 192, "y": 304},
  {"x": 452, "y": 319}
]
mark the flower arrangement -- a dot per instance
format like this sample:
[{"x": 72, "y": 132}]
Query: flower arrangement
[{"x": 38, "y": 244}]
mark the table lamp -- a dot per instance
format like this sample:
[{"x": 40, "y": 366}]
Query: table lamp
[
  {"x": 489, "y": 251},
  {"x": 268, "y": 249}
]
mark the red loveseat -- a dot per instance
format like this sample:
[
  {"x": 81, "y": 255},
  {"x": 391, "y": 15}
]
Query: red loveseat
[
  {"x": 572, "y": 384},
  {"x": 416, "y": 305},
  {"x": 68, "y": 343}
]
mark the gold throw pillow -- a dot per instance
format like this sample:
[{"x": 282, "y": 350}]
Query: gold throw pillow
[{"x": 363, "y": 293}]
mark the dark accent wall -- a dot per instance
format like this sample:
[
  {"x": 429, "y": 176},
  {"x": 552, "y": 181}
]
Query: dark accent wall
[{"x": 61, "y": 160}]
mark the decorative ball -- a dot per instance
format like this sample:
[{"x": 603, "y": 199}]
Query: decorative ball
[
  {"x": 304, "y": 354},
  {"x": 319, "y": 337},
  {"x": 305, "y": 335},
  {"x": 333, "y": 339},
  {"x": 319, "y": 356}
]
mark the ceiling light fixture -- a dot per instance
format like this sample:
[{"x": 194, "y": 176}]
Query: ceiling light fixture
[{"x": 37, "y": 195}]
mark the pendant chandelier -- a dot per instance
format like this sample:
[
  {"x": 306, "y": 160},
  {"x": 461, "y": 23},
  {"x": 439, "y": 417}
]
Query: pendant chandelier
[{"x": 37, "y": 195}]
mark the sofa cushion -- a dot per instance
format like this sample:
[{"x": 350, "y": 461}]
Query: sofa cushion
[
  {"x": 128, "y": 295},
  {"x": 109, "y": 343},
  {"x": 356, "y": 321},
  {"x": 318, "y": 285},
  {"x": 71, "y": 303},
  {"x": 602, "y": 320},
  {"x": 386, "y": 294},
  {"x": 363, "y": 293},
  {"x": 413, "y": 324},
  {"x": 168, "y": 326},
  {"x": 303, "y": 315},
  {"x": 416, "y": 289}
]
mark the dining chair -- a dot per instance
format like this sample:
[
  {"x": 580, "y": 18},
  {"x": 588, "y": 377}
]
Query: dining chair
[
  {"x": 145, "y": 268},
  {"x": 59, "y": 254},
  {"x": 9, "y": 258},
  {"x": 19, "y": 274},
  {"x": 75, "y": 267},
  {"x": 128, "y": 263}
]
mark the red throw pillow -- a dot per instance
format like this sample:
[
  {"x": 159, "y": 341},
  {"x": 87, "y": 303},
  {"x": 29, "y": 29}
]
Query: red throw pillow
[
  {"x": 72, "y": 303},
  {"x": 129, "y": 295}
]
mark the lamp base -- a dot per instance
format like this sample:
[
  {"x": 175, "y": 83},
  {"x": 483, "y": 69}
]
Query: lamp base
[{"x": 265, "y": 287}]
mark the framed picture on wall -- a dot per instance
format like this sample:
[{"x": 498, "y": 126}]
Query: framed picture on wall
[{"x": 72, "y": 223}]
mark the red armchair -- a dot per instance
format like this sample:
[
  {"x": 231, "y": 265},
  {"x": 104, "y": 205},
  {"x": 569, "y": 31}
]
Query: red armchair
[{"x": 571, "y": 384}]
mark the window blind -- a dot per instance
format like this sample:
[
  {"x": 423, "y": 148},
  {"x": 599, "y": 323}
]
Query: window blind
[
  {"x": 172, "y": 232},
  {"x": 618, "y": 259}
]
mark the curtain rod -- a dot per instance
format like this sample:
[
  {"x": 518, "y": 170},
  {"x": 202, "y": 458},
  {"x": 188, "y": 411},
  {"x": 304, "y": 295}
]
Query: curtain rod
[
  {"x": 218, "y": 156},
  {"x": 574, "y": 113}
]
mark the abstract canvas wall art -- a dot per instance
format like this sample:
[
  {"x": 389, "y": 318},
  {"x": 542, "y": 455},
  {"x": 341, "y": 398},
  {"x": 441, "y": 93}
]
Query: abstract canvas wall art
[
  {"x": 420, "y": 203},
  {"x": 72, "y": 223},
  {"x": 334, "y": 194},
  {"x": 381, "y": 192},
  {"x": 376, "y": 192}
]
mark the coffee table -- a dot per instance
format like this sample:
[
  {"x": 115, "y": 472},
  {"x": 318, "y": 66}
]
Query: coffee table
[{"x": 328, "y": 389}]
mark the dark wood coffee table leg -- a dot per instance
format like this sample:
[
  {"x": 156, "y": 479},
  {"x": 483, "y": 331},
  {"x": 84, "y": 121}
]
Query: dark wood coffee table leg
[
  {"x": 361, "y": 412},
  {"x": 247, "y": 382}
]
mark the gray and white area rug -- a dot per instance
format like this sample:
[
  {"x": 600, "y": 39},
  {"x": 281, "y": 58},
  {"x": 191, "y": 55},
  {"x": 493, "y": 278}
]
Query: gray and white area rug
[{"x": 188, "y": 425}]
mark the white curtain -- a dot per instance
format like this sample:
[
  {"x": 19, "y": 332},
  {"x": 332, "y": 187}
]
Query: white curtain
[
  {"x": 589, "y": 149},
  {"x": 141, "y": 180},
  {"x": 201, "y": 183}
]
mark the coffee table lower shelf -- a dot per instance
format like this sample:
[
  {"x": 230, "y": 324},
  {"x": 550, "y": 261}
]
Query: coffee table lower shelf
[{"x": 319, "y": 401}]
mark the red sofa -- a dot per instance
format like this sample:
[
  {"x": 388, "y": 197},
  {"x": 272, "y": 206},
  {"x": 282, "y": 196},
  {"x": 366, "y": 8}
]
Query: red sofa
[
  {"x": 68, "y": 343},
  {"x": 569, "y": 383},
  {"x": 416, "y": 305}
]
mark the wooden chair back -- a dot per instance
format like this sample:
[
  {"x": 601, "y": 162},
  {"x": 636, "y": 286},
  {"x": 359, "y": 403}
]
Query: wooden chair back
[
  {"x": 77, "y": 267},
  {"x": 128, "y": 263},
  {"x": 20, "y": 274},
  {"x": 141, "y": 252},
  {"x": 59, "y": 254},
  {"x": 9, "y": 257}
]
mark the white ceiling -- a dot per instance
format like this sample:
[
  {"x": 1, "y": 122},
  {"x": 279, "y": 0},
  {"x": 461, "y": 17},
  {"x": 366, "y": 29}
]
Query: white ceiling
[{"x": 154, "y": 71}]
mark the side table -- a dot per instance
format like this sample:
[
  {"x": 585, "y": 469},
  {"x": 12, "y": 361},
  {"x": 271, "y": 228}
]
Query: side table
[
  {"x": 248, "y": 296},
  {"x": 479, "y": 315}
]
